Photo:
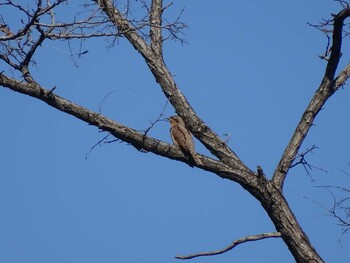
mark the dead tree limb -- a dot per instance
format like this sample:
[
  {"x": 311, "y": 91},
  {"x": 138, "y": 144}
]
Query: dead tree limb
[{"x": 232, "y": 245}]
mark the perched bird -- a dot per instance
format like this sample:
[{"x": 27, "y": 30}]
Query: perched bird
[{"x": 182, "y": 138}]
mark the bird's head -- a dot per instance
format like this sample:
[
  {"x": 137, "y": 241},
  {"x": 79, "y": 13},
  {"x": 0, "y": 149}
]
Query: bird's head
[{"x": 175, "y": 120}]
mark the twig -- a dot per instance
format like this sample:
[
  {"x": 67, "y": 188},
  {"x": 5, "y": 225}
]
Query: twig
[
  {"x": 340, "y": 210},
  {"x": 95, "y": 145},
  {"x": 105, "y": 98},
  {"x": 232, "y": 245},
  {"x": 160, "y": 118}
]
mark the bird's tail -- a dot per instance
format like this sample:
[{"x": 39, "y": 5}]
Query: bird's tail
[{"x": 193, "y": 155}]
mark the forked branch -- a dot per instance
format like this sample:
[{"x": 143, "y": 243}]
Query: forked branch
[{"x": 165, "y": 79}]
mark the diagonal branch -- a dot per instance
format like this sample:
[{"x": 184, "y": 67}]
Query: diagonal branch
[
  {"x": 342, "y": 77},
  {"x": 124, "y": 27},
  {"x": 327, "y": 88},
  {"x": 165, "y": 79},
  {"x": 28, "y": 58},
  {"x": 155, "y": 20},
  {"x": 124, "y": 133},
  {"x": 232, "y": 245}
]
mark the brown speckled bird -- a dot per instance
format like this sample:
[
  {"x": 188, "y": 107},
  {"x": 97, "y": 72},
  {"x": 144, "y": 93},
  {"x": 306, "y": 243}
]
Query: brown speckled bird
[{"x": 182, "y": 137}]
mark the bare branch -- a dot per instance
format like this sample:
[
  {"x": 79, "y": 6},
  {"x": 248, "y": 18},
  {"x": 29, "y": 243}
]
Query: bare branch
[
  {"x": 232, "y": 245},
  {"x": 159, "y": 118},
  {"x": 28, "y": 58},
  {"x": 301, "y": 159},
  {"x": 162, "y": 75},
  {"x": 344, "y": 4},
  {"x": 105, "y": 98},
  {"x": 340, "y": 209},
  {"x": 119, "y": 131},
  {"x": 175, "y": 29},
  {"x": 327, "y": 88},
  {"x": 124, "y": 27},
  {"x": 155, "y": 19},
  {"x": 323, "y": 28},
  {"x": 103, "y": 18},
  {"x": 342, "y": 77},
  {"x": 96, "y": 144}
]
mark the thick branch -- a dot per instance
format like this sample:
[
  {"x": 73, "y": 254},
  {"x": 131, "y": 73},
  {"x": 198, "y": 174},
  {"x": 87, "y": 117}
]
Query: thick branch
[
  {"x": 229, "y": 166},
  {"x": 137, "y": 139},
  {"x": 125, "y": 28},
  {"x": 162, "y": 75},
  {"x": 232, "y": 245},
  {"x": 337, "y": 37},
  {"x": 276, "y": 206},
  {"x": 270, "y": 197},
  {"x": 155, "y": 18},
  {"x": 327, "y": 88}
]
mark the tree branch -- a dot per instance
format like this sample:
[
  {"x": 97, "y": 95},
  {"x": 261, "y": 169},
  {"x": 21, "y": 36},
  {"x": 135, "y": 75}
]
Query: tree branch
[
  {"x": 342, "y": 77},
  {"x": 28, "y": 58},
  {"x": 327, "y": 88},
  {"x": 229, "y": 165},
  {"x": 232, "y": 245},
  {"x": 137, "y": 139},
  {"x": 155, "y": 19},
  {"x": 162, "y": 75}
]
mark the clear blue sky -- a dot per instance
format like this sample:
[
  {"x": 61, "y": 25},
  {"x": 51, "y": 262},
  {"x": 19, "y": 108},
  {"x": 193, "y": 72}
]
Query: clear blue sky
[{"x": 249, "y": 69}]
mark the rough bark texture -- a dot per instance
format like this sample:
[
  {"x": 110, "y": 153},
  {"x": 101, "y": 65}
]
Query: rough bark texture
[
  {"x": 285, "y": 222},
  {"x": 228, "y": 165}
]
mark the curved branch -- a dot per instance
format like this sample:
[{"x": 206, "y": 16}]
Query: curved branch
[
  {"x": 232, "y": 245},
  {"x": 327, "y": 88}
]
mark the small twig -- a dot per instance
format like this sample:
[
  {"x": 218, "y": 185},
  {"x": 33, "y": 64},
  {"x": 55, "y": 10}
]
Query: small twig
[
  {"x": 160, "y": 118},
  {"x": 95, "y": 145},
  {"x": 340, "y": 210},
  {"x": 51, "y": 91},
  {"x": 323, "y": 28},
  {"x": 306, "y": 165},
  {"x": 344, "y": 4},
  {"x": 105, "y": 97},
  {"x": 232, "y": 245},
  {"x": 227, "y": 137}
]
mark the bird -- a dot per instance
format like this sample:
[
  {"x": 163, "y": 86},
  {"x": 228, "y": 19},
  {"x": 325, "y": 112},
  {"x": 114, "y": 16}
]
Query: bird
[{"x": 182, "y": 138}]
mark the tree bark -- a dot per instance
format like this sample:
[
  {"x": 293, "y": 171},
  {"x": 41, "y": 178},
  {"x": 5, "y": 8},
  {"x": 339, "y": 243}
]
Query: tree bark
[
  {"x": 286, "y": 223},
  {"x": 227, "y": 165}
]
